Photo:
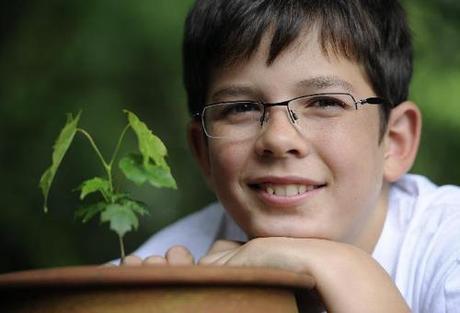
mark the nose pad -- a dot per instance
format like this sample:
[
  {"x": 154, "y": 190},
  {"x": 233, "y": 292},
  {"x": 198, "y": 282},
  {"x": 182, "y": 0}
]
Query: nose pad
[{"x": 292, "y": 116}]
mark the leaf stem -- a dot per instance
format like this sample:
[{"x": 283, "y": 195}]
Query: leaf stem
[
  {"x": 93, "y": 144},
  {"x": 122, "y": 248},
  {"x": 117, "y": 148},
  {"x": 107, "y": 167}
]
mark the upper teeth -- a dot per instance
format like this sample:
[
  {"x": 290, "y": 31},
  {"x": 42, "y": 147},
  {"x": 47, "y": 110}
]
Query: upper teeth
[{"x": 287, "y": 190}]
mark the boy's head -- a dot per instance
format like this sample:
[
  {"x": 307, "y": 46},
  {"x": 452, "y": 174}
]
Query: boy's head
[
  {"x": 374, "y": 34},
  {"x": 315, "y": 167}
]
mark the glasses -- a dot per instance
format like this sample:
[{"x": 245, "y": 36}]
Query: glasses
[{"x": 245, "y": 119}]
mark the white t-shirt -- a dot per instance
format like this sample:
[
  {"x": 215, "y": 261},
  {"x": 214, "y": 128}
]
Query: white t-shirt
[{"x": 419, "y": 246}]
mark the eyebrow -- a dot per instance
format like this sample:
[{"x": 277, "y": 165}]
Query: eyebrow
[
  {"x": 324, "y": 82},
  {"x": 233, "y": 91},
  {"x": 317, "y": 83}
]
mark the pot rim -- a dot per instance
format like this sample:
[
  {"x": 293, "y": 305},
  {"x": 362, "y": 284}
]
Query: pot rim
[{"x": 87, "y": 276}]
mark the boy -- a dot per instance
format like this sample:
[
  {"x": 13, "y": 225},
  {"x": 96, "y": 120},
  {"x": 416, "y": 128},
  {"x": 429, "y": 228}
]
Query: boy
[{"x": 303, "y": 130}]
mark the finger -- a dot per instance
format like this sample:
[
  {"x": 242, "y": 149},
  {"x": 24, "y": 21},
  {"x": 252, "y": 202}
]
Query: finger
[
  {"x": 220, "y": 252},
  {"x": 179, "y": 255},
  {"x": 218, "y": 258},
  {"x": 212, "y": 259},
  {"x": 223, "y": 245},
  {"x": 155, "y": 260},
  {"x": 131, "y": 260}
]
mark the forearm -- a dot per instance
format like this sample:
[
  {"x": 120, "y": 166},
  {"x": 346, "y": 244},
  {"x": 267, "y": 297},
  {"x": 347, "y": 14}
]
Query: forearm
[{"x": 349, "y": 280}]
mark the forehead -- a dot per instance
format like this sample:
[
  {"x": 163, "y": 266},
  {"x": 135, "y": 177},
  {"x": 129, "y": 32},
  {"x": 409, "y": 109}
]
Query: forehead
[{"x": 304, "y": 66}]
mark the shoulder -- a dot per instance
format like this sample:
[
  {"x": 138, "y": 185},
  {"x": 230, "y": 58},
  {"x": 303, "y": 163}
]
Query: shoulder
[
  {"x": 421, "y": 204},
  {"x": 428, "y": 217},
  {"x": 422, "y": 189},
  {"x": 423, "y": 210},
  {"x": 196, "y": 231}
]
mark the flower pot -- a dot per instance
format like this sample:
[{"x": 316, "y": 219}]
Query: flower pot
[{"x": 152, "y": 289}]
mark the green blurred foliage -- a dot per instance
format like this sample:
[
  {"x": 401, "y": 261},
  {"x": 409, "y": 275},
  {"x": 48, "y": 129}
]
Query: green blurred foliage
[
  {"x": 436, "y": 86},
  {"x": 103, "y": 56},
  {"x": 99, "y": 56}
]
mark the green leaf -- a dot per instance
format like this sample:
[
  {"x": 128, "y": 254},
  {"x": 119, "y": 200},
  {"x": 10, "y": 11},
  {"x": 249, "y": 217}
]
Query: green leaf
[
  {"x": 121, "y": 218},
  {"x": 117, "y": 197},
  {"x": 150, "y": 146},
  {"x": 135, "y": 170},
  {"x": 94, "y": 185},
  {"x": 60, "y": 147},
  {"x": 135, "y": 206},
  {"x": 86, "y": 213}
]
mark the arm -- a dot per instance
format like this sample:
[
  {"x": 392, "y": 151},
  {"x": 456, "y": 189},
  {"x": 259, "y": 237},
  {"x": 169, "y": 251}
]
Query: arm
[{"x": 348, "y": 279}]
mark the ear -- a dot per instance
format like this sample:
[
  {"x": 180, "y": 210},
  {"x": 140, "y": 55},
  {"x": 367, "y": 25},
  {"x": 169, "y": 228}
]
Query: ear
[
  {"x": 199, "y": 146},
  {"x": 402, "y": 140}
]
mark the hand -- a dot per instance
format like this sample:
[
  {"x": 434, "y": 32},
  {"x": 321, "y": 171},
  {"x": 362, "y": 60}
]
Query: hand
[
  {"x": 261, "y": 252},
  {"x": 347, "y": 278},
  {"x": 175, "y": 256}
]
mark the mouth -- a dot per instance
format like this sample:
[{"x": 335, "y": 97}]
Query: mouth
[
  {"x": 290, "y": 190},
  {"x": 285, "y": 187}
]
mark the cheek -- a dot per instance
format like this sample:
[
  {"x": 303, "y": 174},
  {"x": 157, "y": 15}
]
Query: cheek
[
  {"x": 227, "y": 160},
  {"x": 357, "y": 143},
  {"x": 355, "y": 157}
]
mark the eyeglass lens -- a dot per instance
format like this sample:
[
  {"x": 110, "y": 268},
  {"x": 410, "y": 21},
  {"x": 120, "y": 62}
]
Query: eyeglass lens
[{"x": 245, "y": 119}]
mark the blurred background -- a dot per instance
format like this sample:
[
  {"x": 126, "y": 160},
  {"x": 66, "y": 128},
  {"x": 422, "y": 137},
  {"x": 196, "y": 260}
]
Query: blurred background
[{"x": 103, "y": 56}]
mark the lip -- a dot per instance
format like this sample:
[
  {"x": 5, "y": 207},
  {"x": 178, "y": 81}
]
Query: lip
[
  {"x": 284, "y": 180},
  {"x": 273, "y": 200}
]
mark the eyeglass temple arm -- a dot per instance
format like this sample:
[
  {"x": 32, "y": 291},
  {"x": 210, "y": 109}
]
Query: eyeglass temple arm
[{"x": 374, "y": 100}]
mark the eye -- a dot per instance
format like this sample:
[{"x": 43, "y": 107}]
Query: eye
[
  {"x": 326, "y": 102},
  {"x": 322, "y": 105},
  {"x": 233, "y": 112},
  {"x": 240, "y": 108},
  {"x": 243, "y": 107}
]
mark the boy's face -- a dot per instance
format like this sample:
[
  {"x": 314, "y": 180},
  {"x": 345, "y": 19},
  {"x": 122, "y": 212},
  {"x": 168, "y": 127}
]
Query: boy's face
[{"x": 344, "y": 163}]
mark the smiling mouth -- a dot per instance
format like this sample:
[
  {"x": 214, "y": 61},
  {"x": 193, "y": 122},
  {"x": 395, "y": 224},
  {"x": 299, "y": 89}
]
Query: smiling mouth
[{"x": 286, "y": 190}]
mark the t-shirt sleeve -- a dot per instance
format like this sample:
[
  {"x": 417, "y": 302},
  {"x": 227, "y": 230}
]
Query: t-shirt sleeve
[
  {"x": 452, "y": 289},
  {"x": 196, "y": 232}
]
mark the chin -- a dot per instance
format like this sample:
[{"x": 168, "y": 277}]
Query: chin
[
  {"x": 281, "y": 231},
  {"x": 297, "y": 228}
]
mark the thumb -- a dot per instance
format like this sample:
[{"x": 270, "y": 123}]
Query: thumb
[{"x": 223, "y": 245}]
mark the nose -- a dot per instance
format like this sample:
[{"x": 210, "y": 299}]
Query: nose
[{"x": 279, "y": 137}]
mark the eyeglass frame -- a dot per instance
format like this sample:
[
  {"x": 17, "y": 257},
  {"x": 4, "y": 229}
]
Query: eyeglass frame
[{"x": 291, "y": 114}]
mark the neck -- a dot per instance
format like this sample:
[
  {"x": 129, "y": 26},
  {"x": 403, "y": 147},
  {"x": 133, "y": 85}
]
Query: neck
[{"x": 370, "y": 235}]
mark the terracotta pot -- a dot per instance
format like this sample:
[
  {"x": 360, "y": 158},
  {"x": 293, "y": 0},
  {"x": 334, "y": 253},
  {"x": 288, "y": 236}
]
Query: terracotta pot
[{"x": 152, "y": 289}]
